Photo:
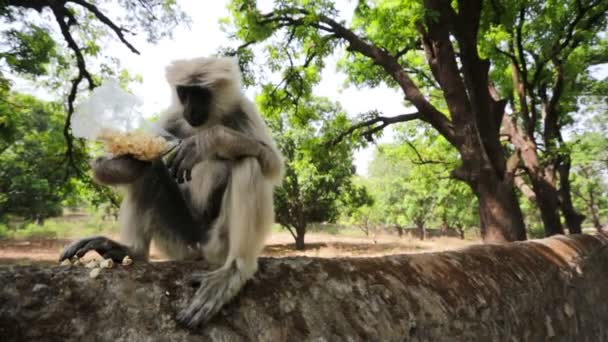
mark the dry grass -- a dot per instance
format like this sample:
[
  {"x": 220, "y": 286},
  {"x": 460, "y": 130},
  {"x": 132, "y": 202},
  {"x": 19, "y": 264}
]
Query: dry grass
[{"x": 329, "y": 246}]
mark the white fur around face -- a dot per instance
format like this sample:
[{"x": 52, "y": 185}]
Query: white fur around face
[
  {"x": 204, "y": 71},
  {"x": 220, "y": 74}
]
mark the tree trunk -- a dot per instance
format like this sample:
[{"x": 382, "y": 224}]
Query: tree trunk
[
  {"x": 574, "y": 219},
  {"x": 547, "y": 201},
  {"x": 460, "y": 231},
  {"x": 596, "y": 223},
  {"x": 546, "y": 290},
  {"x": 300, "y": 232},
  {"x": 595, "y": 217},
  {"x": 421, "y": 229},
  {"x": 500, "y": 216}
]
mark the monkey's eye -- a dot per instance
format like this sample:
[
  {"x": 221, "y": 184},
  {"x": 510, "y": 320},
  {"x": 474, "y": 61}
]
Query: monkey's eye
[{"x": 182, "y": 93}]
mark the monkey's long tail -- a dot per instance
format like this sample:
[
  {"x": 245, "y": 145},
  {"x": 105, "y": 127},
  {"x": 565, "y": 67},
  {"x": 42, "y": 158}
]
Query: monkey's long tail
[{"x": 250, "y": 216}]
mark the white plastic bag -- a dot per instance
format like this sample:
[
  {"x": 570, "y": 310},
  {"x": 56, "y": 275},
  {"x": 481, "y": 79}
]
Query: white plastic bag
[
  {"x": 112, "y": 115},
  {"x": 108, "y": 107}
]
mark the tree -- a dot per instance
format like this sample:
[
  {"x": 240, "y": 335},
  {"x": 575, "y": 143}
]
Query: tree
[
  {"x": 542, "y": 53},
  {"x": 419, "y": 47},
  {"x": 31, "y": 180},
  {"x": 316, "y": 178},
  {"x": 590, "y": 181},
  {"x": 357, "y": 207},
  {"x": 412, "y": 183}
]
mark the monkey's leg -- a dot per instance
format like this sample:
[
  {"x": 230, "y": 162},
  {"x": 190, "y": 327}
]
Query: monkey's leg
[
  {"x": 111, "y": 171},
  {"x": 203, "y": 196},
  {"x": 249, "y": 218},
  {"x": 153, "y": 204}
]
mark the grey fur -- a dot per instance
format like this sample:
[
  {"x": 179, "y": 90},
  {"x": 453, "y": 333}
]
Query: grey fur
[{"x": 224, "y": 211}]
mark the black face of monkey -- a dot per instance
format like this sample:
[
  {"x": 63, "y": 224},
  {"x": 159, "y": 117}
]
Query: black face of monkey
[{"x": 197, "y": 103}]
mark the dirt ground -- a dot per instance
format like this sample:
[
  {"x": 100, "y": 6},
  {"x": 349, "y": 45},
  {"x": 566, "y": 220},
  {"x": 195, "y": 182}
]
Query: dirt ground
[{"x": 279, "y": 245}]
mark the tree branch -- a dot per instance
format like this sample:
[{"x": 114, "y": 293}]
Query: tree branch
[
  {"x": 371, "y": 127},
  {"x": 61, "y": 14},
  {"x": 421, "y": 160},
  {"x": 102, "y": 17},
  {"x": 379, "y": 56}
]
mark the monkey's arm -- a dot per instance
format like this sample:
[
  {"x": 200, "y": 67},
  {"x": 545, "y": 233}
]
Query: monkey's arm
[
  {"x": 151, "y": 196},
  {"x": 230, "y": 144},
  {"x": 224, "y": 143},
  {"x": 178, "y": 127}
]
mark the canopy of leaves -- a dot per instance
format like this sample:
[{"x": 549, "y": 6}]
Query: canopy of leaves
[
  {"x": 410, "y": 182},
  {"x": 317, "y": 177},
  {"x": 590, "y": 176},
  {"x": 33, "y": 183}
]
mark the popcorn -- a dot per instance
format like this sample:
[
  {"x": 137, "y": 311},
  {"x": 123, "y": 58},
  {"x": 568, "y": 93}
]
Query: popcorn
[
  {"x": 140, "y": 145},
  {"x": 126, "y": 261},
  {"x": 95, "y": 272},
  {"x": 106, "y": 263}
]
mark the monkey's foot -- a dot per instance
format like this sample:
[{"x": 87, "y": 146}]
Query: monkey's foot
[
  {"x": 216, "y": 289},
  {"x": 107, "y": 248}
]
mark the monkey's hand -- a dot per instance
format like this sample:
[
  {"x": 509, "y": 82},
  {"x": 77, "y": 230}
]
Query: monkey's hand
[
  {"x": 105, "y": 247},
  {"x": 187, "y": 154},
  {"x": 225, "y": 143}
]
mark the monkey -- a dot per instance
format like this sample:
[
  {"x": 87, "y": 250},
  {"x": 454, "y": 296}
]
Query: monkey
[{"x": 211, "y": 199}]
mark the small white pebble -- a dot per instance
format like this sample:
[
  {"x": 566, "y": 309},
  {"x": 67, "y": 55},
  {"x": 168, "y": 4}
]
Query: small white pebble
[
  {"x": 92, "y": 264},
  {"x": 66, "y": 262},
  {"x": 95, "y": 272},
  {"x": 39, "y": 287},
  {"x": 167, "y": 293},
  {"x": 107, "y": 263},
  {"x": 126, "y": 261}
]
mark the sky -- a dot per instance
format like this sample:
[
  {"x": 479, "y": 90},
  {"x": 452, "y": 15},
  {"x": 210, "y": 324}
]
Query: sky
[{"x": 204, "y": 37}]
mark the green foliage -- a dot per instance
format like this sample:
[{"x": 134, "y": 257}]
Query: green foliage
[
  {"x": 552, "y": 46},
  {"x": 33, "y": 173},
  {"x": 318, "y": 177},
  {"x": 5, "y": 232},
  {"x": 28, "y": 50},
  {"x": 85, "y": 223},
  {"x": 590, "y": 176},
  {"x": 411, "y": 184}
]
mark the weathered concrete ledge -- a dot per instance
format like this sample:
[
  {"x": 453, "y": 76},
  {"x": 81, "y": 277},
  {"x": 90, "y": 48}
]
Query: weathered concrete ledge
[{"x": 552, "y": 289}]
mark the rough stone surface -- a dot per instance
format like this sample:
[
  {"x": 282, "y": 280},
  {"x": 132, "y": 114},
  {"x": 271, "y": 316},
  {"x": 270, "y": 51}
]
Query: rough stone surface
[{"x": 544, "y": 290}]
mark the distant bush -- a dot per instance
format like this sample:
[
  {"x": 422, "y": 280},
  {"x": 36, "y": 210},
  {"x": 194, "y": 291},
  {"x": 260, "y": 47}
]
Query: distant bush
[
  {"x": 5, "y": 231},
  {"x": 35, "y": 231},
  {"x": 68, "y": 226}
]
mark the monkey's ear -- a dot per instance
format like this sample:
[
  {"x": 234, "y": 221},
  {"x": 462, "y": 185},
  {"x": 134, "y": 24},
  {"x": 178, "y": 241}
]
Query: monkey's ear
[{"x": 197, "y": 103}]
